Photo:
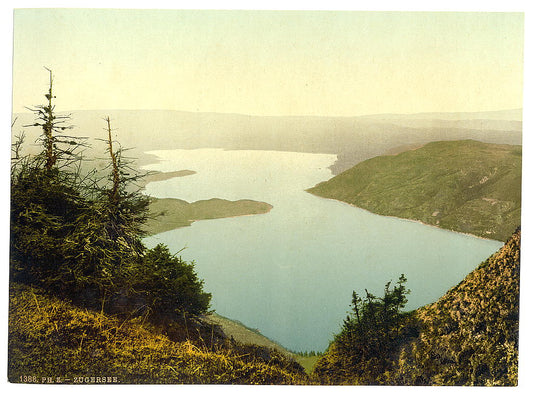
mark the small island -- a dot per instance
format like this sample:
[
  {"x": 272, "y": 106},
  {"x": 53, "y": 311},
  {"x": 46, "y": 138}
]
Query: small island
[{"x": 171, "y": 213}]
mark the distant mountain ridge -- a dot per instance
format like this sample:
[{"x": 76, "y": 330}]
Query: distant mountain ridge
[
  {"x": 466, "y": 186},
  {"x": 353, "y": 139},
  {"x": 508, "y": 115}
]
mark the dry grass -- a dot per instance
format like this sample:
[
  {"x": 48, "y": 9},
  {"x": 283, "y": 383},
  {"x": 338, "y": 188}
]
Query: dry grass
[{"x": 51, "y": 338}]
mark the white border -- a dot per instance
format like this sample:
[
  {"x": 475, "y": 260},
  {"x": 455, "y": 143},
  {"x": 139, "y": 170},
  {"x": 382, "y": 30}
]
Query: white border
[{"x": 526, "y": 328}]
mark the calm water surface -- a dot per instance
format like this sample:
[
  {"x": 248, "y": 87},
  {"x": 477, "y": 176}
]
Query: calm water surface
[{"x": 290, "y": 273}]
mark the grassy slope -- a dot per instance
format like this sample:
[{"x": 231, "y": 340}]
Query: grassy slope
[
  {"x": 49, "y": 337},
  {"x": 468, "y": 337},
  {"x": 465, "y": 186},
  {"x": 170, "y": 213},
  {"x": 246, "y": 335}
]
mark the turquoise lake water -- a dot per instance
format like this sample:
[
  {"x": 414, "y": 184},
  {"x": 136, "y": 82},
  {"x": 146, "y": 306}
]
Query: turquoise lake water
[{"x": 290, "y": 273}]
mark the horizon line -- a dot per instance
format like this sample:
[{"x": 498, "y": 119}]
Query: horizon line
[{"x": 521, "y": 109}]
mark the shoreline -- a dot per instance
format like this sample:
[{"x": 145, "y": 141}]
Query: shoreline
[
  {"x": 183, "y": 173},
  {"x": 161, "y": 176},
  {"x": 409, "y": 220},
  {"x": 157, "y": 176}
]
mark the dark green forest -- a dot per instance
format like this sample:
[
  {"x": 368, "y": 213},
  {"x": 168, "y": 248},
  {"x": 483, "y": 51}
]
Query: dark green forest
[{"x": 79, "y": 234}]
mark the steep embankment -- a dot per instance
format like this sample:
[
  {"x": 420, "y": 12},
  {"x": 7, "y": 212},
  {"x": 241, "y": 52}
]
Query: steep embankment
[
  {"x": 468, "y": 337},
  {"x": 464, "y": 186},
  {"x": 53, "y": 340}
]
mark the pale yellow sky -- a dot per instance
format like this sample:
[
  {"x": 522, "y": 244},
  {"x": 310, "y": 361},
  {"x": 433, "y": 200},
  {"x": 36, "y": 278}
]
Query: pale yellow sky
[{"x": 270, "y": 63}]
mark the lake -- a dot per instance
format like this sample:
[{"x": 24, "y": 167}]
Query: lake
[{"x": 290, "y": 273}]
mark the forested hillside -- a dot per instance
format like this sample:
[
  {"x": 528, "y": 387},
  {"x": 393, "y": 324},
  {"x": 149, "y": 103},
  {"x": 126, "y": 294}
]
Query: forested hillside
[
  {"x": 87, "y": 298},
  {"x": 467, "y": 337},
  {"x": 466, "y": 186}
]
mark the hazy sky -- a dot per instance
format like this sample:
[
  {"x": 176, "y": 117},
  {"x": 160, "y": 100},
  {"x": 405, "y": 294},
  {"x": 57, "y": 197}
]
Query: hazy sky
[{"x": 269, "y": 63}]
